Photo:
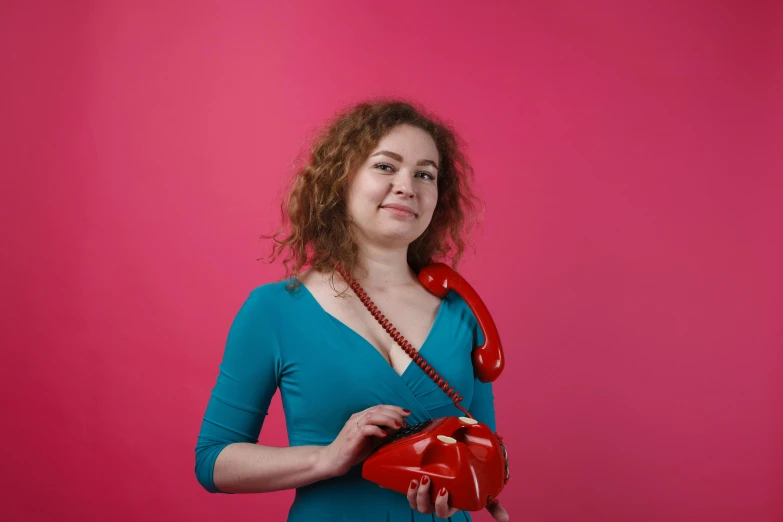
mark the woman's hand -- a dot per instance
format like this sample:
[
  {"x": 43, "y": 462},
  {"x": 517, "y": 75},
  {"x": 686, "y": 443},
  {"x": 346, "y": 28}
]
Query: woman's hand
[
  {"x": 498, "y": 512},
  {"x": 419, "y": 499},
  {"x": 363, "y": 432}
]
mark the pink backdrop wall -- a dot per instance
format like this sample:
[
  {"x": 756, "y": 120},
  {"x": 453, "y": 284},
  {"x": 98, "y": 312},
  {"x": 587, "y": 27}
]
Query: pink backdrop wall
[{"x": 631, "y": 248}]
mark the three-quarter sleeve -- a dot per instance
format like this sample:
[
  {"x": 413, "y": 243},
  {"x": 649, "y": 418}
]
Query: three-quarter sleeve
[
  {"x": 482, "y": 407},
  {"x": 248, "y": 378}
]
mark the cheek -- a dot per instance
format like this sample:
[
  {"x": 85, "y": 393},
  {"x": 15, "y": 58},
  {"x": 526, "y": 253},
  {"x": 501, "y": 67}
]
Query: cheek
[
  {"x": 366, "y": 195},
  {"x": 369, "y": 199},
  {"x": 430, "y": 200}
]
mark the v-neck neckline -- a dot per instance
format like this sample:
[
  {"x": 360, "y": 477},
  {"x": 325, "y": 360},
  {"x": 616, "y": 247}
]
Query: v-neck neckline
[{"x": 382, "y": 359}]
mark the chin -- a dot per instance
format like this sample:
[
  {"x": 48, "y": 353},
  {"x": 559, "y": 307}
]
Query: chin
[
  {"x": 394, "y": 234},
  {"x": 401, "y": 236}
]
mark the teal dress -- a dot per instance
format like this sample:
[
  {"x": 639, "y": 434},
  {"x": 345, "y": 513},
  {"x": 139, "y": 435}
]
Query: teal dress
[{"x": 283, "y": 338}]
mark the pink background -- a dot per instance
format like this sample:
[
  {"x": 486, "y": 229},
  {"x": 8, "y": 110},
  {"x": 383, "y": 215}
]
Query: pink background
[{"x": 629, "y": 156}]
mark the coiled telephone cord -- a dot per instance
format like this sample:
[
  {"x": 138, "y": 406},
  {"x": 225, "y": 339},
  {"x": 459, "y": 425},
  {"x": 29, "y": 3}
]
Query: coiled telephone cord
[
  {"x": 415, "y": 355},
  {"x": 402, "y": 342}
]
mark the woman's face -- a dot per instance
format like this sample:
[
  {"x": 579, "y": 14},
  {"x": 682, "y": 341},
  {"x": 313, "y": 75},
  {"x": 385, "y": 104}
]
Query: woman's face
[{"x": 392, "y": 195}]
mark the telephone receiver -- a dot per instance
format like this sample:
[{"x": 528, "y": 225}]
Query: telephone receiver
[
  {"x": 458, "y": 453},
  {"x": 488, "y": 361}
]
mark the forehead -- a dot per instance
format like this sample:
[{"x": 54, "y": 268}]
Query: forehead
[{"x": 411, "y": 142}]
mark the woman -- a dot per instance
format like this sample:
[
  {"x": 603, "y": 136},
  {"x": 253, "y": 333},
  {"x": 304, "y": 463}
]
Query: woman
[{"x": 384, "y": 193}]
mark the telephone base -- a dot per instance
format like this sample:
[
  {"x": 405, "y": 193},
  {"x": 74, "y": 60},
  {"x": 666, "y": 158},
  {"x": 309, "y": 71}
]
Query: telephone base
[{"x": 458, "y": 453}]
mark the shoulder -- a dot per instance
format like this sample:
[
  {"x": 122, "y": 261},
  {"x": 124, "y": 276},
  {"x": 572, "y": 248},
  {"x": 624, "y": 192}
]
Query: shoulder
[
  {"x": 459, "y": 306},
  {"x": 271, "y": 292},
  {"x": 271, "y": 310},
  {"x": 272, "y": 299}
]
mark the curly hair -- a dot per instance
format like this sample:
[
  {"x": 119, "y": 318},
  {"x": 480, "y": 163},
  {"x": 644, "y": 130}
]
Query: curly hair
[{"x": 316, "y": 230}]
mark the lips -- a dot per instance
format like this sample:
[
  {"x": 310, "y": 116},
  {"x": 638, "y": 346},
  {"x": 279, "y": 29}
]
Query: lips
[{"x": 399, "y": 209}]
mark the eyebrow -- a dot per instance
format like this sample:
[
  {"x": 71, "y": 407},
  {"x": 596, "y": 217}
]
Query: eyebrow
[{"x": 397, "y": 157}]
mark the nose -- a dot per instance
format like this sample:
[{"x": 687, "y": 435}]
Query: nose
[{"x": 402, "y": 187}]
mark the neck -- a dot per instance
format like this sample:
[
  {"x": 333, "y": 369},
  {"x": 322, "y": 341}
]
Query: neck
[{"x": 383, "y": 268}]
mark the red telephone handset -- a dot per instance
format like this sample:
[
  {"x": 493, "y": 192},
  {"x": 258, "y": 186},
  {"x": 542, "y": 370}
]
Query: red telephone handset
[
  {"x": 488, "y": 359},
  {"x": 458, "y": 453}
]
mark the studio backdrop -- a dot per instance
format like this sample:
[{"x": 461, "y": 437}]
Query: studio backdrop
[{"x": 629, "y": 252}]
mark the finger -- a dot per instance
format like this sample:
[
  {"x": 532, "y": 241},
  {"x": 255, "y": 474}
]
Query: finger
[
  {"x": 442, "y": 508},
  {"x": 412, "y": 489},
  {"x": 402, "y": 411},
  {"x": 371, "y": 430},
  {"x": 423, "y": 502},
  {"x": 390, "y": 409},
  {"x": 498, "y": 512},
  {"x": 381, "y": 419}
]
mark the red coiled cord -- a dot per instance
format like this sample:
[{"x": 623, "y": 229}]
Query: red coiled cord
[{"x": 405, "y": 345}]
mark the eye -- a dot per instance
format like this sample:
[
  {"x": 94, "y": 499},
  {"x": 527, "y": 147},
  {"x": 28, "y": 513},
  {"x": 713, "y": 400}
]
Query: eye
[
  {"x": 384, "y": 167},
  {"x": 425, "y": 173}
]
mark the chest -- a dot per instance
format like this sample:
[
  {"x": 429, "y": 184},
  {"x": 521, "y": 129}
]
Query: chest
[{"x": 412, "y": 313}]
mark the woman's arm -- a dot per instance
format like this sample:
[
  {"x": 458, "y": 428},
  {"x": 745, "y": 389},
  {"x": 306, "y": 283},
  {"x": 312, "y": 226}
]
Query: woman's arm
[
  {"x": 227, "y": 457},
  {"x": 482, "y": 406},
  {"x": 251, "y": 468}
]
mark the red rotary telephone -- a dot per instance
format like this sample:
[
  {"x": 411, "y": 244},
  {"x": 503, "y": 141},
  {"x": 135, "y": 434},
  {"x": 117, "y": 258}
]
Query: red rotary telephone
[{"x": 458, "y": 453}]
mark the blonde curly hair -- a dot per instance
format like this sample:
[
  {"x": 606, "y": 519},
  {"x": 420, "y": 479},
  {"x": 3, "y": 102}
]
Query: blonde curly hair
[{"x": 316, "y": 229}]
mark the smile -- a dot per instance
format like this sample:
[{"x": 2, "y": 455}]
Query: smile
[{"x": 399, "y": 210}]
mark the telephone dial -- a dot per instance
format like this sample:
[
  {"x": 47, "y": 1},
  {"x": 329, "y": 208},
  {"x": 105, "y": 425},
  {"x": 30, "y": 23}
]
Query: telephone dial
[{"x": 458, "y": 453}]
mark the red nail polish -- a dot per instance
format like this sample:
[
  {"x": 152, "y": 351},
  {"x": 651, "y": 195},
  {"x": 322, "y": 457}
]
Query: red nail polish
[
  {"x": 407, "y": 411},
  {"x": 424, "y": 480},
  {"x": 383, "y": 431},
  {"x": 396, "y": 424},
  {"x": 442, "y": 491},
  {"x": 413, "y": 484}
]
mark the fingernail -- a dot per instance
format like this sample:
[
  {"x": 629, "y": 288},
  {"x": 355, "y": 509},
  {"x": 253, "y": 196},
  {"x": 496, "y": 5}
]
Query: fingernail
[
  {"x": 442, "y": 491},
  {"x": 406, "y": 411},
  {"x": 383, "y": 431},
  {"x": 396, "y": 424},
  {"x": 424, "y": 480},
  {"x": 405, "y": 424},
  {"x": 413, "y": 484}
]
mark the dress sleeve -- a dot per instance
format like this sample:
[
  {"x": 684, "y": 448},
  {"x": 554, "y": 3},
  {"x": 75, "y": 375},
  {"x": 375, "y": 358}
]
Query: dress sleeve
[
  {"x": 482, "y": 406},
  {"x": 248, "y": 377}
]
